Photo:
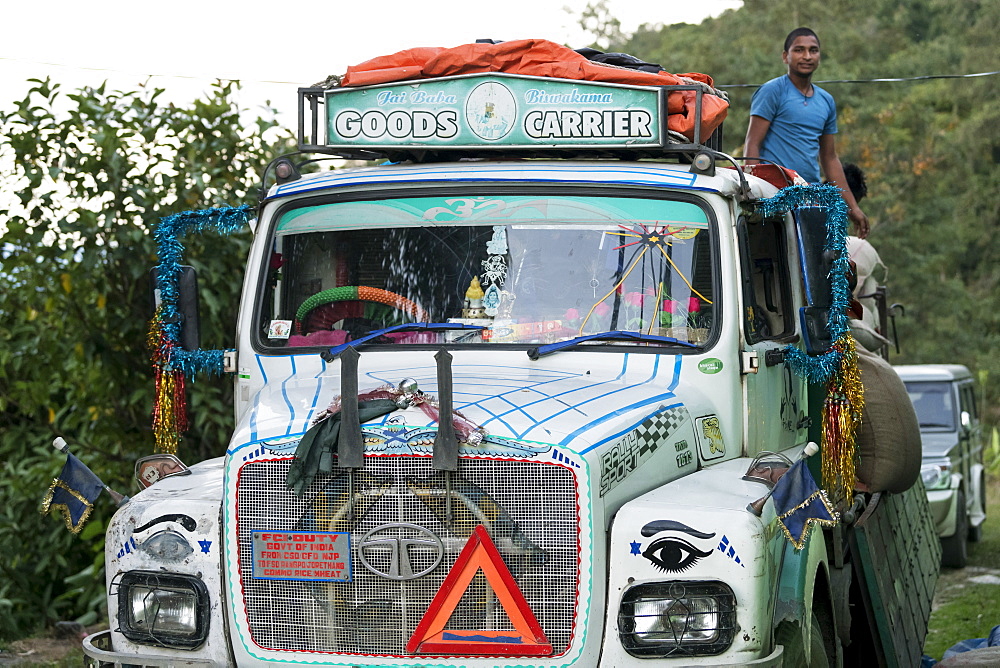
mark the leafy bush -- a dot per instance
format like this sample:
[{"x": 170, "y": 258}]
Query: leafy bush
[{"x": 86, "y": 185}]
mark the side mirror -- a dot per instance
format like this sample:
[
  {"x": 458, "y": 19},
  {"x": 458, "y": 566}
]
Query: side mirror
[
  {"x": 151, "y": 470},
  {"x": 816, "y": 262},
  {"x": 966, "y": 421},
  {"x": 815, "y": 329},
  {"x": 187, "y": 305}
]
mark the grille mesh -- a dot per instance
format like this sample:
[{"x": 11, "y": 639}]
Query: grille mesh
[{"x": 528, "y": 507}]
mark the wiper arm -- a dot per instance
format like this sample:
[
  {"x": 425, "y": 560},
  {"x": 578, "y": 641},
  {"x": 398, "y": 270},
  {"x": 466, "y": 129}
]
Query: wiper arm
[
  {"x": 617, "y": 335},
  {"x": 331, "y": 354}
]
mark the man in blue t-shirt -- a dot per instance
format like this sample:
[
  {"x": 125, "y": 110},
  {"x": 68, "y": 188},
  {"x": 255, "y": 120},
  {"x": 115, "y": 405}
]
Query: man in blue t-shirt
[{"x": 793, "y": 122}]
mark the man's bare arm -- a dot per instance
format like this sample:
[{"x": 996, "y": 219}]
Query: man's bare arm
[
  {"x": 833, "y": 170},
  {"x": 756, "y": 132}
]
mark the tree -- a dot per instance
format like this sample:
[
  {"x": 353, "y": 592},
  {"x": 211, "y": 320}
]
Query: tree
[
  {"x": 86, "y": 187},
  {"x": 930, "y": 148},
  {"x": 596, "y": 19}
]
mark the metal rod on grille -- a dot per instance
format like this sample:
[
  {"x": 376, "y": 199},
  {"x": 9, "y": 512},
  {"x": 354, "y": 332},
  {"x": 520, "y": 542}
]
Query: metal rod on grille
[
  {"x": 446, "y": 442},
  {"x": 448, "y": 519},
  {"x": 350, "y": 446},
  {"x": 350, "y": 495}
]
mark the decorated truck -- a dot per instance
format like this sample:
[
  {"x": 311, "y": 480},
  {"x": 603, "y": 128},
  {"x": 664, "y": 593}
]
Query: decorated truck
[{"x": 538, "y": 387}]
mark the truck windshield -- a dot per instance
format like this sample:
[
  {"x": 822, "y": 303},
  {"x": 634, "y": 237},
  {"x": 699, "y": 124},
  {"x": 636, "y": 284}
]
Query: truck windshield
[
  {"x": 933, "y": 405},
  {"x": 524, "y": 269}
]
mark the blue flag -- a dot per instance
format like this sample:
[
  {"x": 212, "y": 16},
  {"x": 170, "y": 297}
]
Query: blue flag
[
  {"x": 800, "y": 504},
  {"x": 74, "y": 493}
]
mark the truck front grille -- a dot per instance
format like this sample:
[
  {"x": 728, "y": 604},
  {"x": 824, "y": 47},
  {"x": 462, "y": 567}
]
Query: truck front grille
[{"x": 529, "y": 508}]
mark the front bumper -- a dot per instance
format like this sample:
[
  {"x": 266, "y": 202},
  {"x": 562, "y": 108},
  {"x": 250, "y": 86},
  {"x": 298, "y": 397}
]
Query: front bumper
[
  {"x": 99, "y": 655},
  {"x": 772, "y": 660},
  {"x": 97, "y": 647}
]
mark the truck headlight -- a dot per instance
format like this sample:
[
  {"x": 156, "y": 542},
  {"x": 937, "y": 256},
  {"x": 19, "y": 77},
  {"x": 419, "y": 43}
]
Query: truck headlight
[
  {"x": 936, "y": 476},
  {"x": 163, "y": 609},
  {"x": 677, "y": 618}
]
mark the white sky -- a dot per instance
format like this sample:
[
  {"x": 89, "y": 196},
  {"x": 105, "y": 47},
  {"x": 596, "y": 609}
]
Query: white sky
[{"x": 272, "y": 47}]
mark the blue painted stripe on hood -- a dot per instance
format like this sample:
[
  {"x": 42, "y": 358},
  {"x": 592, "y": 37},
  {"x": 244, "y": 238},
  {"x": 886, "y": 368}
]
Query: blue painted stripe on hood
[
  {"x": 256, "y": 400},
  {"x": 567, "y": 393},
  {"x": 616, "y": 436},
  {"x": 669, "y": 394},
  {"x": 501, "y": 398},
  {"x": 284, "y": 394}
]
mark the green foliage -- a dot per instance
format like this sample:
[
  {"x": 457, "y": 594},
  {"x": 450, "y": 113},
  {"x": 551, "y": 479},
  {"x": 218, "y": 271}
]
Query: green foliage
[
  {"x": 929, "y": 148},
  {"x": 992, "y": 455},
  {"x": 87, "y": 177},
  {"x": 965, "y": 609}
]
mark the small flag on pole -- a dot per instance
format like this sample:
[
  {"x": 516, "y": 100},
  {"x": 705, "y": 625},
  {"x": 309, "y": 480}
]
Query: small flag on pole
[
  {"x": 800, "y": 504},
  {"x": 74, "y": 493}
]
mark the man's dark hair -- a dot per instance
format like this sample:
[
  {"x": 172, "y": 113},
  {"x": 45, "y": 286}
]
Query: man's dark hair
[
  {"x": 855, "y": 181},
  {"x": 799, "y": 32}
]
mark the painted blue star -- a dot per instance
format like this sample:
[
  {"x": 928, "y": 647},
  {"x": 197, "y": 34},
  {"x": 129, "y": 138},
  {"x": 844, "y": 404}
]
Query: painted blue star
[
  {"x": 205, "y": 544},
  {"x": 636, "y": 547}
]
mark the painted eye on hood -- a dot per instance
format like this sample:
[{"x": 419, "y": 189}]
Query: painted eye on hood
[{"x": 673, "y": 554}]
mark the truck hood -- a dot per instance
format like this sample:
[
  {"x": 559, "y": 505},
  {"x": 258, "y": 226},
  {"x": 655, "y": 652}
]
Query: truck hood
[
  {"x": 937, "y": 444},
  {"x": 570, "y": 438},
  {"x": 522, "y": 404}
]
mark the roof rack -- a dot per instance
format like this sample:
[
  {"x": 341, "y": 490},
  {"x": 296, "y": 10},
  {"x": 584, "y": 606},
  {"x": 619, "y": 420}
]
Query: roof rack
[{"x": 498, "y": 115}]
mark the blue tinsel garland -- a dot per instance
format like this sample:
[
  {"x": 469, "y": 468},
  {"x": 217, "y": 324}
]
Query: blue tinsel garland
[
  {"x": 224, "y": 220},
  {"x": 819, "y": 368}
]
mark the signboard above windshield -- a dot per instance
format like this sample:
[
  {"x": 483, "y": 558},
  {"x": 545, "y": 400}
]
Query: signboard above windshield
[{"x": 495, "y": 110}]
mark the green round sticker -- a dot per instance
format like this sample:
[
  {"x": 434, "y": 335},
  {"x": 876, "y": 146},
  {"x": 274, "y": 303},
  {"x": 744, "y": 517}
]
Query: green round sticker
[{"x": 710, "y": 365}]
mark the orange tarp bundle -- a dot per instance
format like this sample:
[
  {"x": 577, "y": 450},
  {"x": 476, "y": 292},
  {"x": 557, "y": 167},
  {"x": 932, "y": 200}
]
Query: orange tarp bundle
[{"x": 541, "y": 58}]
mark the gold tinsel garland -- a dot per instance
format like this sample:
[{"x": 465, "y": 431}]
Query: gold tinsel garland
[
  {"x": 842, "y": 408},
  {"x": 170, "y": 398}
]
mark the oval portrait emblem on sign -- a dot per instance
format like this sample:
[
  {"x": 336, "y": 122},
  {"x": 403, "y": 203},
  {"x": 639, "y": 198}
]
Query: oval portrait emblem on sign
[{"x": 491, "y": 110}]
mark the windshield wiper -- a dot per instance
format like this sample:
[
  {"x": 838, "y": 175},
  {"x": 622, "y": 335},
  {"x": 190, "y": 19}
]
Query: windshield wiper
[
  {"x": 935, "y": 424},
  {"x": 331, "y": 354},
  {"x": 617, "y": 335}
]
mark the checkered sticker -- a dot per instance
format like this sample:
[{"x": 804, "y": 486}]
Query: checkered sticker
[{"x": 635, "y": 447}]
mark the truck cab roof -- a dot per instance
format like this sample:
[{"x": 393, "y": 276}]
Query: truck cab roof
[{"x": 725, "y": 181}]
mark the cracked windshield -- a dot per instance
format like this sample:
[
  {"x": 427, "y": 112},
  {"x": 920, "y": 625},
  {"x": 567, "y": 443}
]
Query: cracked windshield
[{"x": 498, "y": 269}]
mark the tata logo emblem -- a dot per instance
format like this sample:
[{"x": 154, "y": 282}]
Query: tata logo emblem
[{"x": 400, "y": 551}]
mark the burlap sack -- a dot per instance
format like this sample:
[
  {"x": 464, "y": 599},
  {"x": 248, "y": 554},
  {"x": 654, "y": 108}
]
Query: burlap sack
[
  {"x": 864, "y": 335},
  {"x": 889, "y": 437}
]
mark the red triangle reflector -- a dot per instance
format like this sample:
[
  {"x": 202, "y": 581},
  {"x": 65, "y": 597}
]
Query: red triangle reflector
[{"x": 431, "y": 636}]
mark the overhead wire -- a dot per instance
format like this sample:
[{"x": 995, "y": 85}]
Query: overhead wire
[{"x": 924, "y": 77}]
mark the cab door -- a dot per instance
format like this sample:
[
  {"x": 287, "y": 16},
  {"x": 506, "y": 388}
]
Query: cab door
[{"x": 775, "y": 397}]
